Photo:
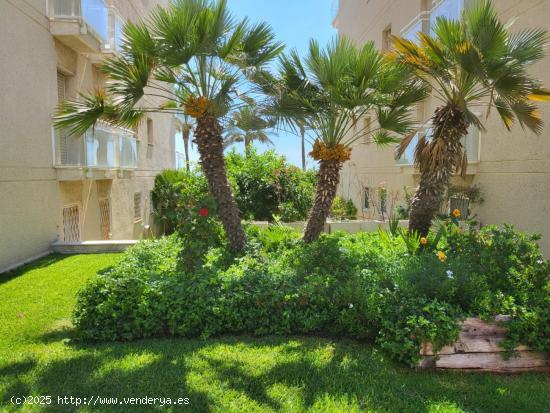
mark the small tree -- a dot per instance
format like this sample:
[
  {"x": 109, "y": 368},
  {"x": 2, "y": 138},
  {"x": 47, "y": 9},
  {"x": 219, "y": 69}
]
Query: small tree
[
  {"x": 467, "y": 63},
  {"x": 197, "y": 60},
  {"x": 328, "y": 93}
]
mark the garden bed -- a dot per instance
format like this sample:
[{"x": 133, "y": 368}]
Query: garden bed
[{"x": 478, "y": 348}]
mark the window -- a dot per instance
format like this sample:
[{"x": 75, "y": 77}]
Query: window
[
  {"x": 386, "y": 38},
  {"x": 411, "y": 33},
  {"x": 150, "y": 132},
  {"x": 450, "y": 9},
  {"x": 137, "y": 206},
  {"x": 61, "y": 87},
  {"x": 71, "y": 223},
  {"x": 366, "y": 199},
  {"x": 118, "y": 33}
]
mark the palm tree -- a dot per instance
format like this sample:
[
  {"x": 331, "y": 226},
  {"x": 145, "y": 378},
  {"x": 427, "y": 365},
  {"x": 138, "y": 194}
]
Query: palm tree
[
  {"x": 190, "y": 58},
  {"x": 247, "y": 125},
  {"x": 468, "y": 63},
  {"x": 186, "y": 128},
  {"x": 327, "y": 94}
]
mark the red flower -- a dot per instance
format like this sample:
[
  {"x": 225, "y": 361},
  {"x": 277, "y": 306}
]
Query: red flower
[{"x": 203, "y": 212}]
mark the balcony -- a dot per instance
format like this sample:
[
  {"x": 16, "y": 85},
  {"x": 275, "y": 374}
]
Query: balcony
[
  {"x": 450, "y": 9},
  {"x": 419, "y": 24},
  {"x": 471, "y": 143},
  {"x": 83, "y": 25},
  {"x": 98, "y": 152}
]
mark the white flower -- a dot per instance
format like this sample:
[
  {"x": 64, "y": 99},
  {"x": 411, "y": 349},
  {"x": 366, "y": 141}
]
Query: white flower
[
  {"x": 540, "y": 261},
  {"x": 350, "y": 305},
  {"x": 449, "y": 273}
]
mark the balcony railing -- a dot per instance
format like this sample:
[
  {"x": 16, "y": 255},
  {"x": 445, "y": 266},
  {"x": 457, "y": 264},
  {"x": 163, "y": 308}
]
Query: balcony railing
[
  {"x": 79, "y": 17},
  {"x": 418, "y": 24},
  {"x": 102, "y": 148},
  {"x": 450, "y": 9},
  {"x": 470, "y": 143}
]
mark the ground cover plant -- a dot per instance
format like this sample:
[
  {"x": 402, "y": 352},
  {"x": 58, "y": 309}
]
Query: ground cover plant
[
  {"x": 394, "y": 290},
  {"x": 38, "y": 356}
]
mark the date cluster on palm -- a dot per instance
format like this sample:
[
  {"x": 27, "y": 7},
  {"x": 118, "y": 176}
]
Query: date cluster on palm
[
  {"x": 196, "y": 106},
  {"x": 322, "y": 152}
]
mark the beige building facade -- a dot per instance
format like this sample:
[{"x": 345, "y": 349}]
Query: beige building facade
[
  {"x": 60, "y": 188},
  {"x": 511, "y": 169}
]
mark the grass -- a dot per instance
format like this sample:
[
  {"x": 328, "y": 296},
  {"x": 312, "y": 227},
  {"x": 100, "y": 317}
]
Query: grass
[{"x": 230, "y": 374}]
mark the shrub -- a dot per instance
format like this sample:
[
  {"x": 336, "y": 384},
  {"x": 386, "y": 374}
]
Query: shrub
[
  {"x": 182, "y": 201},
  {"x": 265, "y": 185},
  {"x": 343, "y": 209},
  {"x": 364, "y": 286}
]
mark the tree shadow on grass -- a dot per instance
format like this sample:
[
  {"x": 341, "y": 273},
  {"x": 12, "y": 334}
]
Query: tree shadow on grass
[
  {"x": 360, "y": 376},
  {"x": 40, "y": 263},
  {"x": 220, "y": 373},
  {"x": 119, "y": 370}
]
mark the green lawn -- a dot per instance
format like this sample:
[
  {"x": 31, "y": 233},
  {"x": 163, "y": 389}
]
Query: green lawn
[{"x": 233, "y": 374}]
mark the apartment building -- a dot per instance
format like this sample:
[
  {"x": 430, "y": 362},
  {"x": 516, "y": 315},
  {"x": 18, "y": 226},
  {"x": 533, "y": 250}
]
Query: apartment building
[
  {"x": 57, "y": 187},
  {"x": 511, "y": 169}
]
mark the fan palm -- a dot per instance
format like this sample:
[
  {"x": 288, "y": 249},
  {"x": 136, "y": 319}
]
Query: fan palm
[
  {"x": 185, "y": 127},
  {"x": 327, "y": 94},
  {"x": 468, "y": 63},
  {"x": 247, "y": 125},
  {"x": 190, "y": 58}
]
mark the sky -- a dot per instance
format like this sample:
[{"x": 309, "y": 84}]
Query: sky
[{"x": 294, "y": 22}]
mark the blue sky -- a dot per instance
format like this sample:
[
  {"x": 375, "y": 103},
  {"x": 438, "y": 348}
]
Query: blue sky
[{"x": 294, "y": 22}]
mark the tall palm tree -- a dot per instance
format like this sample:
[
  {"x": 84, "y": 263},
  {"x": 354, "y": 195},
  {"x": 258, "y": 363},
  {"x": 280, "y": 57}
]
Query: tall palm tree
[
  {"x": 190, "y": 58},
  {"x": 468, "y": 63},
  {"x": 328, "y": 93},
  {"x": 186, "y": 128},
  {"x": 247, "y": 125}
]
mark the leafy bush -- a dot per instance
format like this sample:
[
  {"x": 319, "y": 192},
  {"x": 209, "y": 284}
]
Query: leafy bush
[
  {"x": 265, "y": 185},
  {"x": 343, "y": 209},
  {"x": 182, "y": 202},
  {"x": 365, "y": 286}
]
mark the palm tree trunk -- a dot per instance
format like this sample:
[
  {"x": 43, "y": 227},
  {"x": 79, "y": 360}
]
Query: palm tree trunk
[
  {"x": 328, "y": 178},
  {"x": 210, "y": 146},
  {"x": 185, "y": 134},
  {"x": 302, "y": 134},
  {"x": 437, "y": 161},
  {"x": 246, "y": 146}
]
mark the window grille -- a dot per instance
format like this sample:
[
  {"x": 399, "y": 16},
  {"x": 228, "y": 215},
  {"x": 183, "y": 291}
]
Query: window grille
[
  {"x": 71, "y": 223},
  {"x": 105, "y": 218},
  {"x": 137, "y": 206}
]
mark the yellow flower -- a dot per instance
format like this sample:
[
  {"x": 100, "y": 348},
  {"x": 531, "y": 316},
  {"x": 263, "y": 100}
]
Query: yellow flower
[
  {"x": 456, "y": 213},
  {"x": 423, "y": 240},
  {"x": 441, "y": 255}
]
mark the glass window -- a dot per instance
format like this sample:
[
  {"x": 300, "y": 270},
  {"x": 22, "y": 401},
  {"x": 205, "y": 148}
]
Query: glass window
[
  {"x": 366, "y": 199},
  {"x": 449, "y": 9},
  {"x": 412, "y": 32},
  {"x": 119, "y": 24},
  {"x": 96, "y": 15}
]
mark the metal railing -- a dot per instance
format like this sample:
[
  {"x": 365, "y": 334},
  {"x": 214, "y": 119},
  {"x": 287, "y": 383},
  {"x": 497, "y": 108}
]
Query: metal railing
[{"x": 101, "y": 148}]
